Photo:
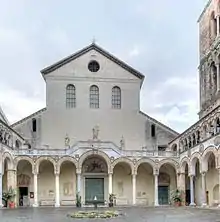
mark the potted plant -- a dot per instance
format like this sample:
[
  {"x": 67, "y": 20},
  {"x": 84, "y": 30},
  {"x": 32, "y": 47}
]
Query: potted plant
[
  {"x": 177, "y": 197},
  {"x": 78, "y": 200},
  {"x": 9, "y": 196},
  {"x": 111, "y": 200}
]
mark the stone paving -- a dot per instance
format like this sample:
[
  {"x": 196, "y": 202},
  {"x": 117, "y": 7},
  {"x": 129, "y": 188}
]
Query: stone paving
[{"x": 132, "y": 214}]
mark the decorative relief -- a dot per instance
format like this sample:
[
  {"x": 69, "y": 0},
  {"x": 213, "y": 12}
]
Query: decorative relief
[
  {"x": 217, "y": 141},
  {"x": 201, "y": 148},
  {"x": 95, "y": 165},
  {"x": 23, "y": 180}
]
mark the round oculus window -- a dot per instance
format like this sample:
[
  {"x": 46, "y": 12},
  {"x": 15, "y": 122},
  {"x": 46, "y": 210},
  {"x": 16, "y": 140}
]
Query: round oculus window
[{"x": 93, "y": 66}]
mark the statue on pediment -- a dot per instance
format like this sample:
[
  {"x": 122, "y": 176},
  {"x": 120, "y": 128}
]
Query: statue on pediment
[
  {"x": 95, "y": 132},
  {"x": 67, "y": 141},
  {"x": 122, "y": 143}
]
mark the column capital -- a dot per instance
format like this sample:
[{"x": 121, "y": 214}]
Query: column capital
[
  {"x": 191, "y": 175},
  {"x": 203, "y": 172}
]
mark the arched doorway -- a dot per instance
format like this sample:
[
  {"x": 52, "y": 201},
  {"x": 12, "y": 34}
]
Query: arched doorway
[
  {"x": 166, "y": 183},
  {"x": 95, "y": 180},
  {"x": 145, "y": 185},
  {"x": 122, "y": 183},
  {"x": 24, "y": 183},
  {"x": 67, "y": 183}
]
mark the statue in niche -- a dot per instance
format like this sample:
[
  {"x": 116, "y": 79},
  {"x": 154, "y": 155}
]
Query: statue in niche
[
  {"x": 95, "y": 132},
  {"x": 67, "y": 141},
  {"x": 122, "y": 143}
]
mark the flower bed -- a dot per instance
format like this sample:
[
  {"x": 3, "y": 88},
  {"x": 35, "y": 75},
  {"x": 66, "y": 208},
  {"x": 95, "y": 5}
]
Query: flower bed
[{"x": 94, "y": 214}]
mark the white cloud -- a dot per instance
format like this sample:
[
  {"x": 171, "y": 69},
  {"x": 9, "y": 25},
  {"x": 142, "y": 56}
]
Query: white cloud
[
  {"x": 16, "y": 104},
  {"x": 134, "y": 52}
]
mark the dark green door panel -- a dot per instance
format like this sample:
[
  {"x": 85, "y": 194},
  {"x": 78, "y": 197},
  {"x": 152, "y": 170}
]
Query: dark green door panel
[
  {"x": 94, "y": 187},
  {"x": 163, "y": 195}
]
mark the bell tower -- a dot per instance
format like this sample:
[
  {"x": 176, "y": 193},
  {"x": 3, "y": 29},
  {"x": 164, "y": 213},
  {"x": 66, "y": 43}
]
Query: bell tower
[{"x": 209, "y": 51}]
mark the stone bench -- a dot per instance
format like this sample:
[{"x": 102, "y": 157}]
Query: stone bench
[
  {"x": 67, "y": 202},
  {"x": 47, "y": 202}
]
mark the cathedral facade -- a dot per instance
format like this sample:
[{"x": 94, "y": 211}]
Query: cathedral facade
[{"x": 92, "y": 140}]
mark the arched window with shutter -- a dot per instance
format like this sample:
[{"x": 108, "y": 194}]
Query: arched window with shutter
[
  {"x": 116, "y": 97},
  {"x": 70, "y": 96}
]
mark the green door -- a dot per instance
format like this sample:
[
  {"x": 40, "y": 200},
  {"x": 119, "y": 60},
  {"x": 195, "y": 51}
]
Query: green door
[
  {"x": 94, "y": 187},
  {"x": 163, "y": 195}
]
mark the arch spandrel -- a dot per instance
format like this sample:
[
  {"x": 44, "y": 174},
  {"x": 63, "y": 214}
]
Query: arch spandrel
[
  {"x": 124, "y": 160},
  {"x": 20, "y": 158},
  {"x": 171, "y": 162},
  {"x": 145, "y": 160},
  {"x": 50, "y": 159}
]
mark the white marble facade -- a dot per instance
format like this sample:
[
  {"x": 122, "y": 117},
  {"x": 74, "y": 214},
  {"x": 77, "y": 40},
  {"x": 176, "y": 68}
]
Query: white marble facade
[{"x": 92, "y": 134}]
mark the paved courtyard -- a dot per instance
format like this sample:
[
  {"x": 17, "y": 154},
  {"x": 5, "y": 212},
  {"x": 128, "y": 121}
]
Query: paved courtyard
[{"x": 131, "y": 214}]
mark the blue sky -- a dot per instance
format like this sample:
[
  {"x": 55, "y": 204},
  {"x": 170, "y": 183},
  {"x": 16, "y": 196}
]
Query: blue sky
[{"x": 158, "y": 38}]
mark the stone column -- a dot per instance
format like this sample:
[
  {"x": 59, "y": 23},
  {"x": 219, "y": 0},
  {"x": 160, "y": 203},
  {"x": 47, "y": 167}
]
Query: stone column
[
  {"x": 219, "y": 187},
  {"x": 192, "y": 201},
  {"x": 78, "y": 183},
  {"x": 156, "y": 189},
  {"x": 57, "y": 185},
  {"x": 110, "y": 183},
  {"x": 35, "y": 190},
  {"x": 1, "y": 175},
  {"x": 134, "y": 188},
  {"x": 181, "y": 185},
  {"x": 218, "y": 76},
  {"x": 203, "y": 190},
  {"x": 217, "y": 19}
]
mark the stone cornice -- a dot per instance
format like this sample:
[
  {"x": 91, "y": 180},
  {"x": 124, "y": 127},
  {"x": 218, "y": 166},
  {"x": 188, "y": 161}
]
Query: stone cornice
[
  {"x": 28, "y": 117},
  {"x": 204, "y": 10}
]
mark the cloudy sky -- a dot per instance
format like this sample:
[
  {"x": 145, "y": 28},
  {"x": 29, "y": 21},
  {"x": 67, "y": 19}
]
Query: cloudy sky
[{"x": 158, "y": 38}]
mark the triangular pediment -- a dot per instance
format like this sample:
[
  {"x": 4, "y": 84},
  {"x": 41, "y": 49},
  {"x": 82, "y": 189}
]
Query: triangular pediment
[{"x": 87, "y": 49}]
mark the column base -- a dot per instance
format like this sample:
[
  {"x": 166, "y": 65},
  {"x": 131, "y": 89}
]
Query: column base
[
  {"x": 35, "y": 205},
  {"x": 156, "y": 205},
  {"x": 1, "y": 206},
  {"x": 192, "y": 204},
  {"x": 57, "y": 205},
  {"x": 204, "y": 205},
  {"x": 219, "y": 206}
]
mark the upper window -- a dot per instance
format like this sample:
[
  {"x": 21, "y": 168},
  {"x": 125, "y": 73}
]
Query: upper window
[
  {"x": 34, "y": 125},
  {"x": 153, "y": 130},
  {"x": 70, "y": 96},
  {"x": 93, "y": 66},
  {"x": 94, "y": 97},
  {"x": 116, "y": 97}
]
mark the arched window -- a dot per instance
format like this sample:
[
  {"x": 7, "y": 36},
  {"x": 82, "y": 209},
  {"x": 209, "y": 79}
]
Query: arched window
[
  {"x": 70, "y": 96},
  {"x": 94, "y": 97},
  {"x": 213, "y": 25},
  {"x": 34, "y": 125},
  {"x": 116, "y": 97}
]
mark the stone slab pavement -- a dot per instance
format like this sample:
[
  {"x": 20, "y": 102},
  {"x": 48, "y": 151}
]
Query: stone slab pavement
[{"x": 131, "y": 214}]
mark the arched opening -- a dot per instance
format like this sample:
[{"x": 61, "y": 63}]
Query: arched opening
[
  {"x": 213, "y": 79},
  {"x": 166, "y": 183},
  {"x": 24, "y": 183},
  {"x": 187, "y": 185},
  {"x": 7, "y": 178},
  {"x": 198, "y": 137},
  {"x": 189, "y": 142},
  {"x": 18, "y": 144},
  {"x": 122, "y": 183},
  {"x": 193, "y": 139},
  {"x": 68, "y": 183},
  {"x": 145, "y": 185},
  {"x": 213, "y": 26},
  {"x": 217, "y": 125},
  {"x": 174, "y": 147},
  {"x": 211, "y": 178},
  {"x": 95, "y": 177},
  {"x": 46, "y": 183}
]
